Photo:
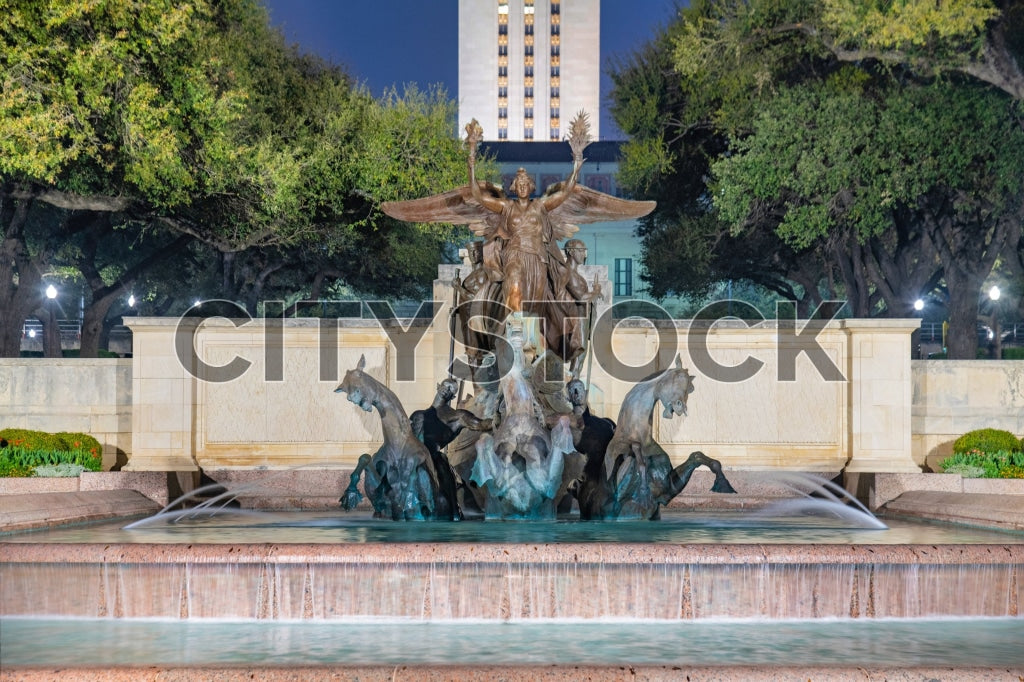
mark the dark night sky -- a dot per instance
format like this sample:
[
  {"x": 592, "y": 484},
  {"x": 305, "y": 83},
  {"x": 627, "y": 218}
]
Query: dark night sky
[{"x": 383, "y": 42}]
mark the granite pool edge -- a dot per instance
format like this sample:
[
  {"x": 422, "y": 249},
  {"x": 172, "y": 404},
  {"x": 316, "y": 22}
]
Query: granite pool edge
[{"x": 509, "y": 553}]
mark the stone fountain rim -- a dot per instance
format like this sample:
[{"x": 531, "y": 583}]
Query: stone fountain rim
[{"x": 509, "y": 553}]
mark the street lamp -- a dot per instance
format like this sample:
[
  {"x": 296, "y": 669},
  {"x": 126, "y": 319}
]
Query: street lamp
[
  {"x": 131, "y": 301},
  {"x": 995, "y": 334},
  {"x": 51, "y": 330},
  {"x": 918, "y": 305}
]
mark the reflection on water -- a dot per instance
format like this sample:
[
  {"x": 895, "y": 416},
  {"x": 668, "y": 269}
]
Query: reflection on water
[
  {"x": 881, "y": 642},
  {"x": 675, "y": 527}
]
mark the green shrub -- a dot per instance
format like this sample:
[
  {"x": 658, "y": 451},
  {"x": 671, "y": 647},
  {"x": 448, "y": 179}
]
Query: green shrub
[
  {"x": 10, "y": 469},
  {"x": 1001, "y": 464},
  {"x": 23, "y": 450},
  {"x": 1011, "y": 471},
  {"x": 81, "y": 441},
  {"x": 1013, "y": 354},
  {"x": 32, "y": 440},
  {"x": 987, "y": 440}
]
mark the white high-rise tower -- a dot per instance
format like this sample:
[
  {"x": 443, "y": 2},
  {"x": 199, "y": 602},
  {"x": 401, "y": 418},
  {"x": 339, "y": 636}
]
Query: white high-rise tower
[{"x": 526, "y": 67}]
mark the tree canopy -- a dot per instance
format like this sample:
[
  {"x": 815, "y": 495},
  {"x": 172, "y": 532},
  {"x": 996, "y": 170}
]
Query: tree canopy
[
  {"x": 193, "y": 130},
  {"x": 875, "y": 177}
]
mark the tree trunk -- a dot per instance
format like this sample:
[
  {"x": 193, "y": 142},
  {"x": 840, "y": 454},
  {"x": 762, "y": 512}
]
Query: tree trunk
[
  {"x": 92, "y": 324},
  {"x": 102, "y": 295},
  {"x": 968, "y": 243},
  {"x": 962, "y": 339},
  {"x": 20, "y": 279}
]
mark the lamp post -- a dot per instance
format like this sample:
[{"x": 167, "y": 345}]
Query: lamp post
[
  {"x": 51, "y": 330},
  {"x": 917, "y": 337},
  {"x": 997, "y": 340}
]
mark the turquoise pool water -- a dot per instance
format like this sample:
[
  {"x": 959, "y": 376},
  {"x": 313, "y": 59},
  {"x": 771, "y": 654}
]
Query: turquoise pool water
[
  {"x": 676, "y": 527},
  {"x": 896, "y": 642}
]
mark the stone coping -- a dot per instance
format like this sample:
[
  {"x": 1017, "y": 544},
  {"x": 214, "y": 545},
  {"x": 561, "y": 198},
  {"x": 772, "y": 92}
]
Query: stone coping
[
  {"x": 900, "y": 325},
  {"x": 889, "y": 486},
  {"x": 976, "y": 509},
  {"x": 66, "y": 362},
  {"x": 152, "y": 484},
  {"x": 503, "y": 553},
  {"x": 551, "y": 673},
  {"x": 243, "y": 324}
]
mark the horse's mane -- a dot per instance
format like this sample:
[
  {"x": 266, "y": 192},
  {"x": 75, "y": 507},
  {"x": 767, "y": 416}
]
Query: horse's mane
[{"x": 655, "y": 375}]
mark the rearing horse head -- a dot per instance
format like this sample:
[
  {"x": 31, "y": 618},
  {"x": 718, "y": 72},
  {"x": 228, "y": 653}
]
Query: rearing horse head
[
  {"x": 674, "y": 388},
  {"x": 358, "y": 386}
]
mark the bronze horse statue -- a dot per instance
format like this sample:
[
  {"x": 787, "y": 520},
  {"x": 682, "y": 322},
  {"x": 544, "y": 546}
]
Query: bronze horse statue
[
  {"x": 400, "y": 479},
  {"x": 635, "y": 477}
]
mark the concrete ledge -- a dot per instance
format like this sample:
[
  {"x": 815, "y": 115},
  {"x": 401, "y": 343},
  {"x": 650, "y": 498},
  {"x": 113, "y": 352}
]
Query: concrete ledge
[
  {"x": 28, "y": 486},
  {"x": 989, "y": 510},
  {"x": 888, "y": 487},
  {"x": 152, "y": 484},
  {"x": 42, "y": 510}
]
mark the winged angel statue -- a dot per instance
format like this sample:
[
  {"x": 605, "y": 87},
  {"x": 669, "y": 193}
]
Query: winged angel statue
[{"x": 526, "y": 269}]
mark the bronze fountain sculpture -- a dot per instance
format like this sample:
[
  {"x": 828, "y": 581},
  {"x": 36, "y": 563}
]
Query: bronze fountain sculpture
[{"x": 525, "y": 445}]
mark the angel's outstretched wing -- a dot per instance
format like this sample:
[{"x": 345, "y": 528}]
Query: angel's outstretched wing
[
  {"x": 585, "y": 205},
  {"x": 456, "y": 206}
]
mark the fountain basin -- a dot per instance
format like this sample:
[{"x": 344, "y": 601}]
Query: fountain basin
[{"x": 500, "y": 582}]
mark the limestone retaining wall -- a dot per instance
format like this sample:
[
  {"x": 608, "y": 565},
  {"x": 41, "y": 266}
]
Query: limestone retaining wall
[
  {"x": 84, "y": 395},
  {"x": 890, "y": 413},
  {"x": 281, "y": 411},
  {"x": 952, "y": 397}
]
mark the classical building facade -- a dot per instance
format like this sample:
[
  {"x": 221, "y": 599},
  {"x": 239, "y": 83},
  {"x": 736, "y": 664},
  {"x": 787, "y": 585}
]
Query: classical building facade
[{"x": 526, "y": 67}]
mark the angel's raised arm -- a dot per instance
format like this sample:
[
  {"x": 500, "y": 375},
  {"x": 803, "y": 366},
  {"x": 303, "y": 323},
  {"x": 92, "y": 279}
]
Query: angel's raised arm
[
  {"x": 474, "y": 133},
  {"x": 579, "y": 138}
]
